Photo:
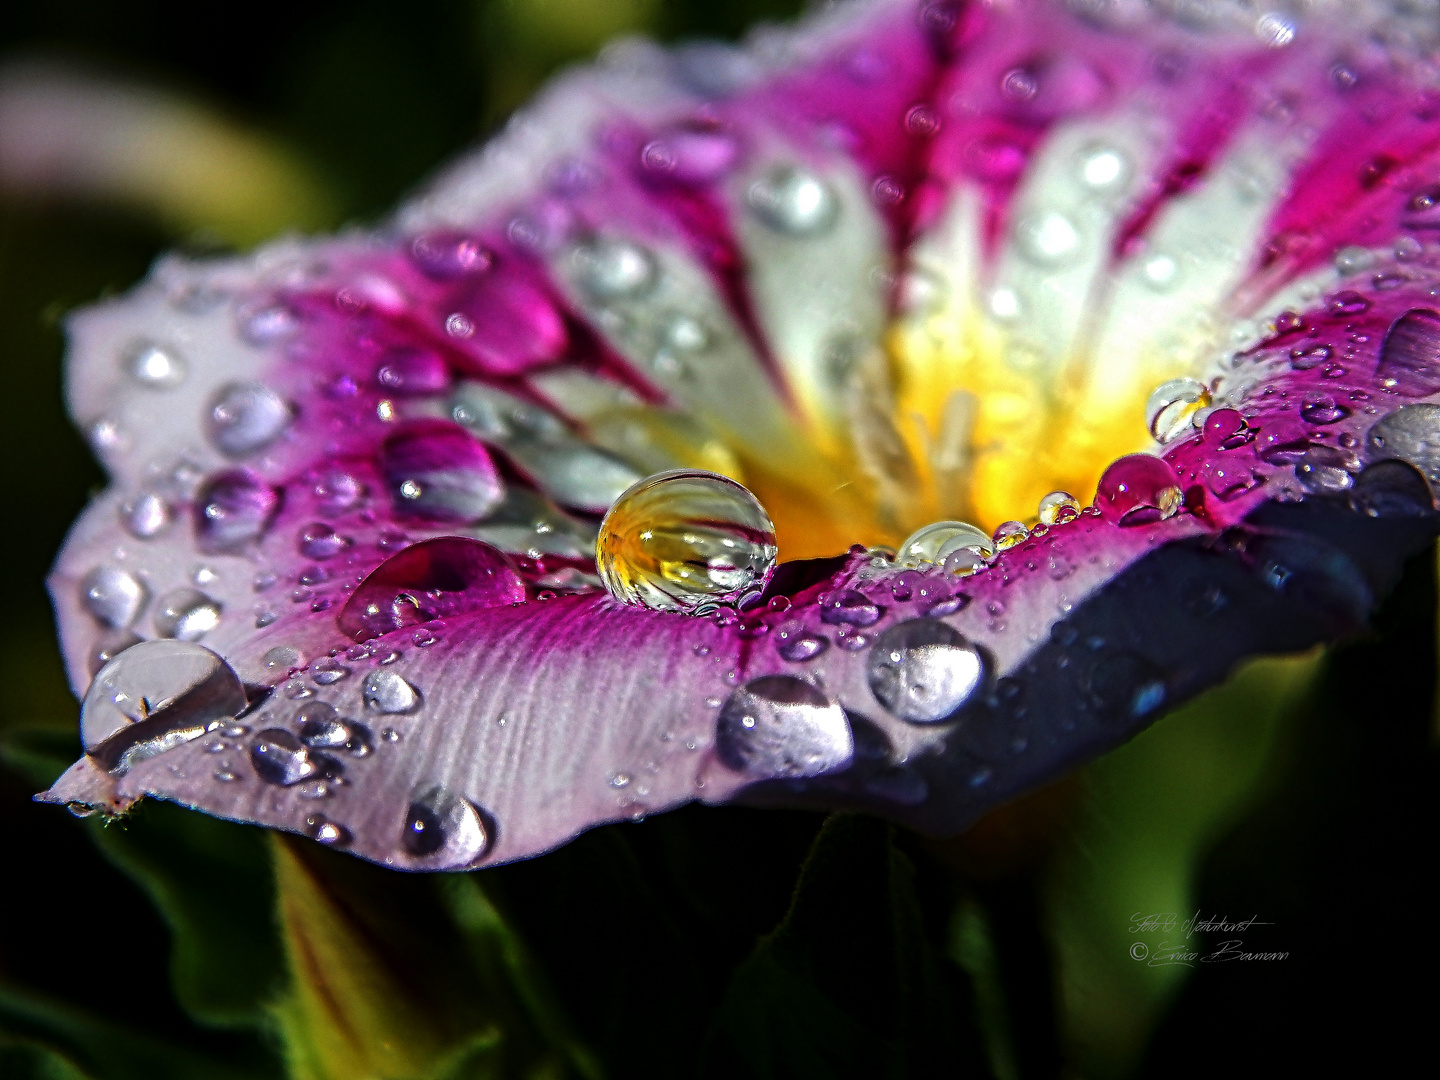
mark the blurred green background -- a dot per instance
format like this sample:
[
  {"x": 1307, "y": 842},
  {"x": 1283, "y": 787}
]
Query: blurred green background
[{"x": 719, "y": 943}]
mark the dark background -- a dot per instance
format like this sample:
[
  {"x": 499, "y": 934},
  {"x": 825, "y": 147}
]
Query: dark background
[{"x": 150, "y": 949}]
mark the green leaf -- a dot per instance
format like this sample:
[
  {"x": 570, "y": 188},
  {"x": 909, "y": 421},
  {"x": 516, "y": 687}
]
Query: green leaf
[{"x": 850, "y": 983}]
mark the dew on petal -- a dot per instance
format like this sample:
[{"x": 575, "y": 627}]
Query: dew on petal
[
  {"x": 1138, "y": 489},
  {"x": 244, "y": 418},
  {"x": 1410, "y": 354},
  {"x": 147, "y": 515},
  {"x": 1411, "y": 434},
  {"x": 434, "y": 579},
  {"x": 151, "y": 676},
  {"x": 437, "y": 470},
  {"x": 924, "y": 671},
  {"x": 233, "y": 510},
  {"x": 614, "y": 269},
  {"x": 156, "y": 367},
  {"x": 1058, "y": 507},
  {"x": 1172, "y": 407},
  {"x": 324, "y": 831},
  {"x": 412, "y": 372},
  {"x": 793, "y": 201},
  {"x": 849, "y": 607},
  {"x": 112, "y": 596},
  {"x": 930, "y": 544},
  {"x": 442, "y": 831},
  {"x": 279, "y": 758},
  {"x": 1009, "y": 533},
  {"x": 388, "y": 692},
  {"x": 185, "y": 615},
  {"x": 685, "y": 540},
  {"x": 782, "y": 726}
]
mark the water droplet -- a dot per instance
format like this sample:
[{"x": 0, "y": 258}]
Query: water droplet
[
  {"x": 1322, "y": 409},
  {"x": 278, "y": 757},
  {"x": 1348, "y": 302},
  {"x": 443, "y": 256},
  {"x": 1010, "y": 533},
  {"x": 146, "y": 679},
  {"x": 930, "y": 544},
  {"x": 234, "y": 509},
  {"x": 336, "y": 492},
  {"x": 849, "y": 607},
  {"x": 620, "y": 780},
  {"x": 1161, "y": 272},
  {"x": 324, "y": 831},
  {"x": 268, "y": 325},
  {"x": 327, "y": 672},
  {"x": 1049, "y": 238},
  {"x": 283, "y": 658},
  {"x": 155, "y": 366},
  {"x": 185, "y": 615},
  {"x": 1125, "y": 686},
  {"x": 1226, "y": 429},
  {"x": 924, "y": 671},
  {"x": 793, "y": 201},
  {"x": 388, "y": 692},
  {"x": 1412, "y": 434},
  {"x": 246, "y": 417},
  {"x": 436, "y": 469},
  {"x": 1172, "y": 407},
  {"x": 146, "y": 516},
  {"x": 1058, "y": 507},
  {"x": 922, "y": 120},
  {"x": 685, "y": 540},
  {"x": 407, "y": 371},
  {"x": 964, "y": 562},
  {"x": 113, "y": 597},
  {"x": 319, "y": 541},
  {"x": 796, "y": 644},
  {"x": 1103, "y": 168},
  {"x": 1410, "y": 354},
  {"x": 1138, "y": 489},
  {"x": 443, "y": 830},
  {"x": 782, "y": 726},
  {"x": 690, "y": 155},
  {"x": 614, "y": 269},
  {"x": 1323, "y": 479}
]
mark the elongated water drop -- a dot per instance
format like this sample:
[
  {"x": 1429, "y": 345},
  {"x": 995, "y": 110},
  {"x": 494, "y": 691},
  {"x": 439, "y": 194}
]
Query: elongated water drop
[{"x": 683, "y": 540}]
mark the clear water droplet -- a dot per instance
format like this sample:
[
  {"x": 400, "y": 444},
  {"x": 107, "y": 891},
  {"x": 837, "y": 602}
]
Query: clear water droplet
[
  {"x": 436, "y": 469},
  {"x": 244, "y": 418},
  {"x": 1103, "y": 168},
  {"x": 1058, "y": 507},
  {"x": 442, "y": 830},
  {"x": 1410, "y": 354},
  {"x": 683, "y": 540},
  {"x": 146, "y": 516},
  {"x": 1172, "y": 407},
  {"x": 327, "y": 672},
  {"x": 796, "y": 644},
  {"x": 1322, "y": 409},
  {"x": 614, "y": 269},
  {"x": 278, "y": 757},
  {"x": 793, "y": 201},
  {"x": 233, "y": 510},
  {"x": 930, "y": 544},
  {"x": 1010, "y": 533},
  {"x": 151, "y": 676},
  {"x": 1048, "y": 238},
  {"x": 113, "y": 597},
  {"x": 1411, "y": 434},
  {"x": 185, "y": 615},
  {"x": 319, "y": 541},
  {"x": 849, "y": 607},
  {"x": 388, "y": 692},
  {"x": 324, "y": 831},
  {"x": 924, "y": 671},
  {"x": 156, "y": 367},
  {"x": 964, "y": 562},
  {"x": 782, "y": 726},
  {"x": 1138, "y": 489}
]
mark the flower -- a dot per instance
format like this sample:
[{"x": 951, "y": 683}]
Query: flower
[{"x": 910, "y": 274}]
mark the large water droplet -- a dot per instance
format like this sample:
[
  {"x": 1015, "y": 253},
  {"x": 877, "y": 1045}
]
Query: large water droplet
[
  {"x": 924, "y": 671},
  {"x": 683, "y": 540},
  {"x": 1172, "y": 407},
  {"x": 146, "y": 516},
  {"x": 436, "y": 469},
  {"x": 113, "y": 597},
  {"x": 931, "y": 543},
  {"x": 793, "y": 201},
  {"x": 1049, "y": 238},
  {"x": 155, "y": 366},
  {"x": 280, "y": 758},
  {"x": 1410, "y": 354},
  {"x": 614, "y": 269},
  {"x": 1411, "y": 434},
  {"x": 233, "y": 509},
  {"x": 782, "y": 726},
  {"x": 513, "y": 323},
  {"x": 434, "y": 579},
  {"x": 1138, "y": 489},
  {"x": 387, "y": 692},
  {"x": 154, "y": 695},
  {"x": 442, "y": 831},
  {"x": 410, "y": 372},
  {"x": 849, "y": 607},
  {"x": 185, "y": 615},
  {"x": 246, "y": 417}
]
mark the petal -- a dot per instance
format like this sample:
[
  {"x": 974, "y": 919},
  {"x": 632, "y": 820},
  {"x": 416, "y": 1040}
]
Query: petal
[{"x": 906, "y": 263}]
